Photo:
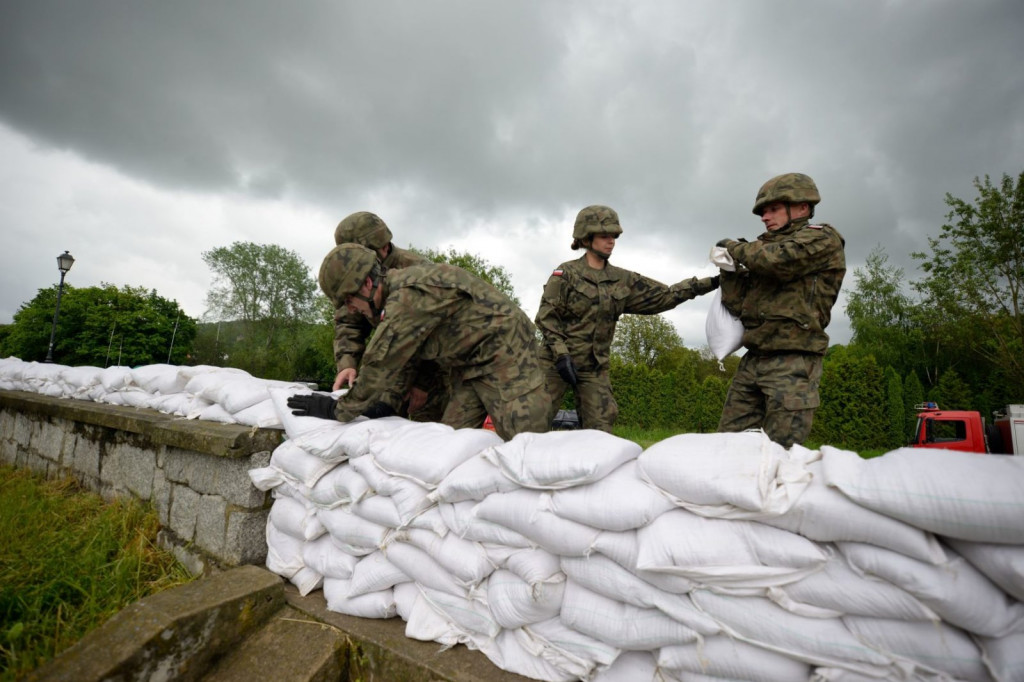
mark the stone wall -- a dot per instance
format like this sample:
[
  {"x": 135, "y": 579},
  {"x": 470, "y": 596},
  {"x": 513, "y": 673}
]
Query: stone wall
[{"x": 194, "y": 473}]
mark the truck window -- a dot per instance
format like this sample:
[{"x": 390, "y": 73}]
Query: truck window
[{"x": 947, "y": 431}]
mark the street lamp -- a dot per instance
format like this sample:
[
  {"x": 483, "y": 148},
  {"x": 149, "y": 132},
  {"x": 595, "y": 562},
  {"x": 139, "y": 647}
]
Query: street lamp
[{"x": 64, "y": 263}]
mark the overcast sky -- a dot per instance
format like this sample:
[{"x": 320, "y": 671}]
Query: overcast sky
[{"x": 138, "y": 134}]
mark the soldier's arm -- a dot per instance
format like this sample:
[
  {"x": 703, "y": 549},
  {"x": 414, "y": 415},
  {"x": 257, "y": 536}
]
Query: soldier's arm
[
  {"x": 649, "y": 296},
  {"x": 550, "y": 314},
  {"x": 809, "y": 250},
  {"x": 350, "y": 334}
]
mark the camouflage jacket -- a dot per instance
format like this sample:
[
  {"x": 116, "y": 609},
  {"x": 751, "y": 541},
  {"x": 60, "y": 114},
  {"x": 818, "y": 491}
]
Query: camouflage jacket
[
  {"x": 581, "y": 306},
  {"x": 439, "y": 313},
  {"x": 786, "y": 287},
  {"x": 352, "y": 330}
]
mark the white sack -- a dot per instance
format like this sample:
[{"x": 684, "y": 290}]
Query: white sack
[
  {"x": 466, "y": 561},
  {"x": 724, "y": 331},
  {"x": 461, "y": 520},
  {"x": 374, "y": 573},
  {"x": 1004, "y": 658},
  {"x": 521, "y": 511},
  {"x": 469, "y": 616},
  {"x": 427, "y": 452},
  {"x": 298, "y": 465},
  {"x": 306, "y": 580},
  {"x": 115, "y": 377},
  {"x": 630, "y": 666},
  {"x": 348, "y": 530},
  {"x": 507, "y": 651},
  {"x": 619, "y": 501},
  {"x": 324, "y": 557},
  {"x": 567, "y": 650},
  {"x": 262, "y": 415},
  {"x": 560, "y": 459},
  {"x": 959, "y": 494},
  {"x": 725, "y": 553},
  {"x": 515, "y": 603},
  {"x": 474, "y": 479},
  {"x": 534, "y": 566},
  {"x": 419, "y": 566},
  {"x": 955, "y": 590},
  {"x": 378, "y": 509},
  {"x": 621, "y": 625},
  {"x": 730, "y": 658},
  {"x": 341, "y": 485},
  {"x": 162, "y": 379},
  {"x": 1003, "y": 564},
  {"x": 284, "y": 552},
  {"x": 296, "y": 518},
  {"x": 372, "y": 605}
]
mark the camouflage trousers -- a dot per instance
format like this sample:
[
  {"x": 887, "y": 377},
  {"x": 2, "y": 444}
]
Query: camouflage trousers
[
  {"x": 595, "y": 403},
  {"x": 431, "y": 411},
  {"x": 777, "y": 393},
  {"x": 473, "y": 399}
]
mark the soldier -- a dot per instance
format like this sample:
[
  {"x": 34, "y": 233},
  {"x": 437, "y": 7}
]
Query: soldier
[
  {"x": 783, "y": 290},
  {"x": 582, "y": 302},
  {"x": 442, "y": 314},
  {"x": 425, "y": 402}
]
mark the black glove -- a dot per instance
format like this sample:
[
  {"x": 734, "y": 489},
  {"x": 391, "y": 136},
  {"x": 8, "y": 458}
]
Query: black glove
[
  {"x": 566, "y": 369},
  {"x": 378, "y": 410},
  {"x": 312, "y": 405},
  {"x": 724, "y": 242},
  {"x": 716, "y": 281}
]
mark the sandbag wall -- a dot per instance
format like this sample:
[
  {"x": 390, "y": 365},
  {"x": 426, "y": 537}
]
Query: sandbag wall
[{"x": 578, "y": 556}]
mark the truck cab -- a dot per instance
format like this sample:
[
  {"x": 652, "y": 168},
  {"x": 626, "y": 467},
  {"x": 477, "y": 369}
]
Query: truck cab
[{"x": 967, "y": 431}]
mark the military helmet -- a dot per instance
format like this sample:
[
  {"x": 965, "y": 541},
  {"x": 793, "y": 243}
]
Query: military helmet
[
  {"x": 363, "y": 228},
  {"x": 345, "y": 269},
  {"x": 596, "y": 220},
  {"x": 789, "y": 188}
]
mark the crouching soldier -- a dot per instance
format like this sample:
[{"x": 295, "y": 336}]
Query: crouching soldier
[{"x": 441, "y": 314}]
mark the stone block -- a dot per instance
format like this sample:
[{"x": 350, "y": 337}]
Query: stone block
[
  {"x": 184, "y": 512},
  {"x": 245, "y": 541},
  {"x": 84, "y": 456},
  {"x": 129, "y": 467},
  {"x": 48, "y": 438},
  {"x": 211, "y": 522},
  {"x": 161, "y": 497},
  {"x": 228, "y": 478}
]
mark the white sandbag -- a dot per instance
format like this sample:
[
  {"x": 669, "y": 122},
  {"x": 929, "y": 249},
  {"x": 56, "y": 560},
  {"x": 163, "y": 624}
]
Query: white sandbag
[
  {"x": 341, "y": 485},
  {"x": 115, "y": 377},
  {"x": 406, "y": 595},
  {"x": 1002, "y": 564},
  {"x": 345, "y": 440},
  {"x": 600, "y": 574},
  {"x": 534, "y": 565},
  {"x": 373, "y": 573},
  {"x": 521, "y": 511},
  {"x": 422, "y": 568},
  {"x": 824, "y": 514},
  {"x": 959, "y": 593},
  {"x": 427, "y": 452},
  {"x": 161, "y": 378},
  {"x": 508, "y": 652},
  {"x": 630, "y": 666},
  {"x": 426, "y": 623},
  {"x": 213, "y": 413},
  {"x": 429, "y": 519},
  {"x": 619, "y": 501},
  {"x": 569, "y": 651},
  {"x": 469, "y": 616},
  {"x": 474, "y": 479},
  {"x": 1003, "y": 656},
  {"x": 466, "y": 561},
  {"x": 236, "y": 393},
  {"x": 461, "y": 520},
  {"x": 724, "y": 331},
  {"x": 294, "y": 426},
  {"x": 409, "y": 497},
  {"x": 560, "y": 459},
  {"x": 180, "y": 405},
  {"x": 729, "y": 658},
  {"x": 619, "y": 624},
  {"x": 80, "y": 379},
  {"x": 936, "y": 646},
  {"x": 295, "y": 517},
  {"x": 266, "y": 478},
  {"x": 958, "y": 494},
  {"x": 623, "y": 548},
  {"x": 725, "y": 553},
  {"x": 324, "y": 557},
  {"x": 306, "y": 580},
  {"x": 262, "y": 415},
  {"x": 378, "y": 509},
  {"x": 297, "y": 464},
  {"x": 372, "y": 605},
  {"x": 818, "y": 641},
  {"x": 515, "y": 603},
  {"x": 284, "y": 552},
  {"x": 206, "y": 379},
  {"x": 712, "y": 473},
  {"x": 348, "y": 530},
  {"x": 840, "y": 589}
]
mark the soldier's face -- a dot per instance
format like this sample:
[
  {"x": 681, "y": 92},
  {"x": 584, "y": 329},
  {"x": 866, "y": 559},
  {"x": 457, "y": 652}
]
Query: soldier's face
[
  {"x": 603, "y": 243},
  {"x": 776, "y": 216},
  {"x": 358, "y": 305}
]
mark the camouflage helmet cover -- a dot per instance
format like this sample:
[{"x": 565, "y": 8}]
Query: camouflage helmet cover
[
  {"x": 789, "y": 188},
  {"x": 345, "y": 269},
  {"x": 363, "y": 228},
  {"x": 594, "y": 220}
]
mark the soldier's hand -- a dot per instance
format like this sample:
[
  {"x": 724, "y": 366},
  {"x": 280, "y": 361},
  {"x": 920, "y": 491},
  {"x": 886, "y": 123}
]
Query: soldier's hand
[
  {"x": 417, "y": 399},
  {"x": 378, "y": 410},
  {"x": 567, "y": 369},
  {"x": 312, "y": 405},
  {"x": 725, "y": 242},
  {"x": 346, "y": 376}
]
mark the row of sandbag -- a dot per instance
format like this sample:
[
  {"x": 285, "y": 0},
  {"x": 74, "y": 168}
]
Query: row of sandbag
[
  {"x": 576, "y": 555},
  {"x": 219, "y": 394}
]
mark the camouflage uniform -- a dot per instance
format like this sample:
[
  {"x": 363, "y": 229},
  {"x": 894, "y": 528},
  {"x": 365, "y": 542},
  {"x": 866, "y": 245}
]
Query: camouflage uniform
[
  {"x": 442, "y": 314},
  {"x": 577, "y": 316},
  {"x": 352, "y": 330},
  {"x": 783, "y": 293}
]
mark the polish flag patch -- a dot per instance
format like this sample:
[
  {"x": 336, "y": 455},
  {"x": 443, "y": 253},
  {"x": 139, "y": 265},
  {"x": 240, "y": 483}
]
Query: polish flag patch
[
  {"x": 814, "y": 227},
  {"x": 556, "y": 273}
]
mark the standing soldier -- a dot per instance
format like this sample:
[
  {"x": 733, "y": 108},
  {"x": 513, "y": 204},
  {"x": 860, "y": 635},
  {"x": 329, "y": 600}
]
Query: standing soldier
[
  {"x": 783, "y": 290},
  {"x": 441, "y": 314},
  {"x": 582, "y": 302},
  {"x": 426, "y": 401}
]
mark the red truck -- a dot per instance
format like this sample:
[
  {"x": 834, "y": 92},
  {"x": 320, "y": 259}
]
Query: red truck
[{"x": 967, "y": 431}]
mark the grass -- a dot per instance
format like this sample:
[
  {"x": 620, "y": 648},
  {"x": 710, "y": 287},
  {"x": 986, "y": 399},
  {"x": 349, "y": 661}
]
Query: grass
[{"x": 68, "y": 562}]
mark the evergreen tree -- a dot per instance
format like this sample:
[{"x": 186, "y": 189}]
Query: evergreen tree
[{"x": 895, "y": 408}]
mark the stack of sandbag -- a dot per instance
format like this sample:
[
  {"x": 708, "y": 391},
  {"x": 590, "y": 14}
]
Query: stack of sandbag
[
  {"x": 226, "y": 395},
  {"x": 578, "y": 556}
]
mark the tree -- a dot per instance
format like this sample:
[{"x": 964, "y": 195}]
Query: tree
[
  {"x": 880, "y": 312},
  {"x": 496, "y": 275},
  {"x": 895, "y": 410},
  {"x": 102, "y": 326},
  {"x": 913, "y": 395},
  {"x": 643, "y": 339},
  {"x": 975, "y": 273}
]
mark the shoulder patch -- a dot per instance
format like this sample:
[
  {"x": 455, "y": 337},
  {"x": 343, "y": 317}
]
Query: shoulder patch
[
  {"x": 815, "y": 227},
  {"x": 382, "y": 314},
  {"x": 557, "y": 273}
]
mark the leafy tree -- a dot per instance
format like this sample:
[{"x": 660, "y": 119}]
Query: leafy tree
[
  {"x": 880, "y": 312},
  {"x": 102, "y": 326},
  {"x": 913, "y": 395},
  {"x": 975, "y": 273},
  {"x": 951, "y": 393},
  {"x": 894, "y": 408},
  {"x": 643, "y": 339},
  {"x": 496, "y": 275},
  {"x": 852, "y": 411},
  {"x": 709, "y": 404}
]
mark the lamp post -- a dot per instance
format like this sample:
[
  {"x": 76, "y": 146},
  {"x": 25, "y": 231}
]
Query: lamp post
[{"x": 64, "y": 263}]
